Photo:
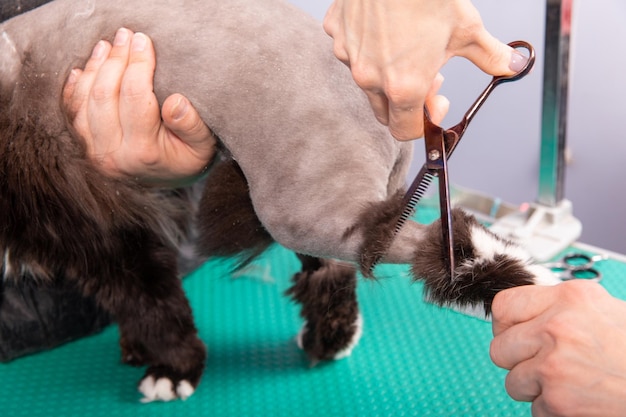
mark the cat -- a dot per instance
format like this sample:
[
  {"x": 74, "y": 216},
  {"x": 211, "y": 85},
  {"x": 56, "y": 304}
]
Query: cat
[{"x": 302, "y": 162}]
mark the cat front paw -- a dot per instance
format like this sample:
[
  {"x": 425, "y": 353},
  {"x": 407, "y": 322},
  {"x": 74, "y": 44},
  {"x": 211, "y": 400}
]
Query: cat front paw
[{"x": 160, "y": 385}]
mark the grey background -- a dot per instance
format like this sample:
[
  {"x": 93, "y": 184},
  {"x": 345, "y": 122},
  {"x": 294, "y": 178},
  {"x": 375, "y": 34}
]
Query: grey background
[{"x": 499, "y": 155}]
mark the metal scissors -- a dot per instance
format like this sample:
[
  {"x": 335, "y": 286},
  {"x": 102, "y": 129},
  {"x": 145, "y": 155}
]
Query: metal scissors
[
  {"x": 440, "y": 144},
  {"x": 576, "y": 266}
]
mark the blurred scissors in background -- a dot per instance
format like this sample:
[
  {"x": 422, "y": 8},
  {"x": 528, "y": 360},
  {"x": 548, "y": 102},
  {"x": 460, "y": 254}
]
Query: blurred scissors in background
[
  {"x": 576, "y": 266},
  {"x": 440, "y": 143}
]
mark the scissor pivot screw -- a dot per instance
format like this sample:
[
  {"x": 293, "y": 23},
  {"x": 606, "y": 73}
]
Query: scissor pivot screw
[{"x": 434, "y": 155}]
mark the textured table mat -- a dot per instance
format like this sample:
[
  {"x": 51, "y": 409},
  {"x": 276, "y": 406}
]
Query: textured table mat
[{"x": 414, "y": 359}]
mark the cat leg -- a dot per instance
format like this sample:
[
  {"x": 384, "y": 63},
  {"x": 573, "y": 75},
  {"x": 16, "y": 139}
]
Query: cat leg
[
  {"x": 155, "y": 321},
  {"x": 326, "y": 289}
]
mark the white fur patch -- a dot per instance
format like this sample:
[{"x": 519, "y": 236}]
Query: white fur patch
[
  {"x": 10, "y": 62},
  {"x": 345, "y": 352},
  {"x": 487, "y": 246},
  {"x": 184, "y": 390},
  {"x": 543, "y": 275},
  {"x": 6, "y": 268},
  {"x": 163, "y": 389}
]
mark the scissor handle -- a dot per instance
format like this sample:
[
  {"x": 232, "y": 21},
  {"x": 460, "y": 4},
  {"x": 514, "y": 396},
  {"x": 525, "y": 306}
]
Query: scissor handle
[
  {"x": 590, "y": 274},
  {"x": 524, "y": 71},
  {"x": 578, "y": 261},
  {"x": 459, "y": 129}
]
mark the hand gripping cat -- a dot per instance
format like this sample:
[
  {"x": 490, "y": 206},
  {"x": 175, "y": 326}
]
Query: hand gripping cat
[{"x": 303, "y": 163}]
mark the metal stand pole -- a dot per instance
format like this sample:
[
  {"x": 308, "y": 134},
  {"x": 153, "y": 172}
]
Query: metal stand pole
[
  {"x": 549, "y": 226},
  {"x": 555, "y": 90}
]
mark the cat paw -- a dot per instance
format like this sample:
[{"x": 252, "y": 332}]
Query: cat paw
[
  {"x": 330, "y": 348},
  {"x": 164, "y": 388}
]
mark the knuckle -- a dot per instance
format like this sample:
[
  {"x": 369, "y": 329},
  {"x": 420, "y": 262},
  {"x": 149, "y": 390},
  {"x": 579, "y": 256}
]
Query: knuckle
[
  {"x": 580, "y": 290},
  {"x": 147, "y": 155},
  {"x": 499, "y": 304},
  {"x": 102, "y": 92},
  {"x": 550, "y": 370},
  {"x": 404, "y": 133},
  {"x": 341, "y": 54},
  {"x": 132, "y": 90},
  {"x": 403, "y": 94},
  {"x": 559, "y": 402},
  {"x": 495, "y": 349},
  {"x": 328, "y": 24},
  {"x": 562, "y": 327},
  {"x": 366, "y": 77}
]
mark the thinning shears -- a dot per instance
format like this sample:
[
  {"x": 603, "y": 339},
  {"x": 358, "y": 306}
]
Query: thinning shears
[
  {"x": 576, "y": 266},
  {"x": 440, "y": 144}
]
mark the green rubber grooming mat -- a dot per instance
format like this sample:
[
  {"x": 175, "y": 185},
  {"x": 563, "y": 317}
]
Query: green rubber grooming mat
[{"x": 414, "y": 359}]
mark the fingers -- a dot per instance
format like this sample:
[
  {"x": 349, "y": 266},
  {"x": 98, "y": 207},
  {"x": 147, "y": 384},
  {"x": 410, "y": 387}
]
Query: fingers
[
  {"x": 184, "y": 121},
  {"x": 332, "y": 27},
  {"x": 493, "y": 56},
  {"x": 403, "y": 112},
  {"x": 69, "y": 92},
  {"x": 437, "y": 105},
  {"x": 78, "y": 87},
  {"x": 515, "y": 345},
  {"x": 406, "y": 114},
  {"x": 105, "y": 92},
  {"x": 520, "y": 304},
  {"x": 514, "y": 327},
  {"x": 138, "y": 106},
  {"x": 522, "y": 382},
  {"x": 438, "y": 108}
]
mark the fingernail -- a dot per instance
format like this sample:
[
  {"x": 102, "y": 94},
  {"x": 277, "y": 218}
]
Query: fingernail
[
  {"x": 121, "y": 37},
  {"x": 139, "y": 42},
  {"x": 98, "y": 50},
  {"x": 518, "y": 61},
  {"x": 180, "y": 109}
]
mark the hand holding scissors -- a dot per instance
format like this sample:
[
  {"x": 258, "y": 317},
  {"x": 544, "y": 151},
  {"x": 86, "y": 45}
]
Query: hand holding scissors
[{"x": 439, "y": 145}]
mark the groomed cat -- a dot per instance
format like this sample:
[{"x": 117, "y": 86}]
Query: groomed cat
[{"x": 303, "y": 163}]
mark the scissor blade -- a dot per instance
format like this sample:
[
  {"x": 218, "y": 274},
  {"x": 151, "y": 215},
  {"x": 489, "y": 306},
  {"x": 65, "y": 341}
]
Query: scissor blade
[
  {"x": 446, "y": 217},
  {"x": 416, "y": 191}
]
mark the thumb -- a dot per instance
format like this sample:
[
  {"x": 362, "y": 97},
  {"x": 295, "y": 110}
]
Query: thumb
[
  {"x": 493, "y": 56},
  {"x": 180, "y": 117}
]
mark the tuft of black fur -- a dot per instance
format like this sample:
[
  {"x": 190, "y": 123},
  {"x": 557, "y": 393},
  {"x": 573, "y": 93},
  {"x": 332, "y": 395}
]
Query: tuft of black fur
[
  {"x": 379, "y": 221},
  {"x": 476, "y": 280},
  {"x": 327, "y": 291},
  {"x": 227, "y": 221}
]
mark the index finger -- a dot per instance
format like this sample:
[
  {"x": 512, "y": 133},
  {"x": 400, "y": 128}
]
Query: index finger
[
  {"x": 520, "y": 304},
  {"x": 139, "y": 109}
]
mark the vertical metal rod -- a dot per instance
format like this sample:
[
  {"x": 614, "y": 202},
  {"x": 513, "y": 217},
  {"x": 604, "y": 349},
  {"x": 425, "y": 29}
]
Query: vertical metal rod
[{"x": 554, "y": 110}]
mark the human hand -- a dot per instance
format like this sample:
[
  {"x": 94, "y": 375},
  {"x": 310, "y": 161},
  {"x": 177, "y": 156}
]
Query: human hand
[
  {"x": 395, "y": 49},
  {"x": 564, "y": 346},
  {"x": 113, "y": 108}
]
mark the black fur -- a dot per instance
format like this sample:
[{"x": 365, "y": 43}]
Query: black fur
[
  {"x": 114, "y": 240},
  {"x": 475, "y": 282},
  {"x": 379, "y": 222},
  {"x": 327, "y": 291},
  {"x": 227, "y": 222}
]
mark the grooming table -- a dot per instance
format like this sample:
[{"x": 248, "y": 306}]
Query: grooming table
[{"x": 414, "y": 359}]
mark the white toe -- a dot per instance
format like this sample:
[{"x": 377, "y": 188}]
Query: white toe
[
  {"x": 160, "y": 390},
  {"x": 184, "y": 390}
]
